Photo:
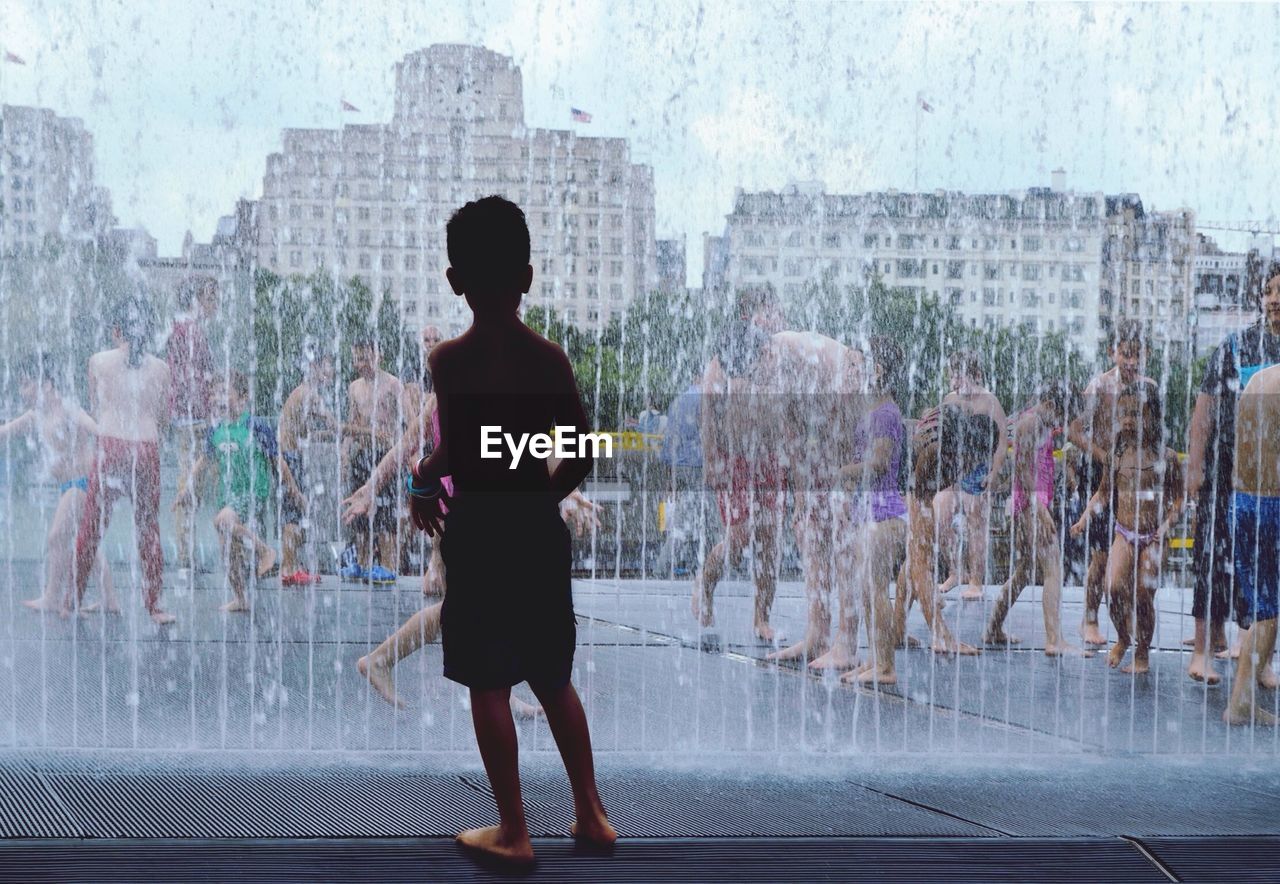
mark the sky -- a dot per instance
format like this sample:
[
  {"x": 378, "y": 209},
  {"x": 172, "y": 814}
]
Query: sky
[{"x": 1173, "y": 102}]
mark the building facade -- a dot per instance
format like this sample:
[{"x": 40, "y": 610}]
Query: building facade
[
  {"x": 372, "y": 200},
  {"x": 48, "y": 184},
  {"x": 1032, "y": 259}
]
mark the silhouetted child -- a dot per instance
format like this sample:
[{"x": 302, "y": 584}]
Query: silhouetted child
[{"x": 507, "y": 615}]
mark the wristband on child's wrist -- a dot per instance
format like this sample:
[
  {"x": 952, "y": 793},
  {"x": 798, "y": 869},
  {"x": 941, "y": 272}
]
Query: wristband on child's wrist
[{"x": 427, "y": 490}]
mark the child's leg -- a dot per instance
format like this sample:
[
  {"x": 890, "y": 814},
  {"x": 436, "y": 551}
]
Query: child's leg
[
  {"x": 1256, "y": 648},
  {"x": 885, "y": 547},
  {"x": 145, "y": 491},
  {"x": 704, "y": 584},
  {"x": 1096, "y": 583},
  {"x": 104, "y": 488},
  {"x": 1145, "y": 595},
  {"x": 418, "y": 630},
  {"x": 290, "y": 549},
  {"x": 496, "y": 737},
  {"x": 232, "y": 536},
  {"x": 765, "y": 566},
  {"x": 59, "y": 552},
  {"x": 388, "y": 548},
  {"x": 1120, "y": 596},
  {"x": 815, "y": 556},
  {"x": 101, "y": 571},
  {"x": 568, "y": 723},
  {"x": 1024, "y": 551},
  {"x": 851, "y": 595},
  {"x": 977, "y": 525},
  {"x": 945, "y": 506},
  {"x": 1049, "y": 553}
]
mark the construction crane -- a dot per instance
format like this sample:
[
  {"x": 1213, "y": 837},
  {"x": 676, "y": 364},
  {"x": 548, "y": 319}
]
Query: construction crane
[{"x": 1253, "y": 228}]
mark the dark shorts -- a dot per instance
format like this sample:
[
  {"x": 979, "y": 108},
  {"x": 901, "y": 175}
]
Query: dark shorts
[
  {"x": 508, "y": 606},
  {"x": 1257, "y": 556},
  {"x": 1213, "y": 554},
  {"x": 363, "y": 463}
]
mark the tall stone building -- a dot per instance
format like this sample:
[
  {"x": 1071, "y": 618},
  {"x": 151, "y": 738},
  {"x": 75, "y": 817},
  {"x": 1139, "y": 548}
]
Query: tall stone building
[
  {"x": 47, "y": 177},
  {"x": 1030, "y": 259},
  {"x": 372, "y": 200}
]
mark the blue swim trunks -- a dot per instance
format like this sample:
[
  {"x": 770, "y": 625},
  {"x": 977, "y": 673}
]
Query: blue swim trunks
[
  {"x": 975, "y": 482},
  {"x": 1257, "y": 555},
  {"x": 82, "y": 483}
]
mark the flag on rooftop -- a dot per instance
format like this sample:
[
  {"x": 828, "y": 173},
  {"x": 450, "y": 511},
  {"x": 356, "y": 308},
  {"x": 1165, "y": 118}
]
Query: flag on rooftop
[
  {"x": 13, "y": 59},
  {"x": 926, "y": 106},
  {"x": 579, "y": 116},
  {"x": 348, "y": 106}
]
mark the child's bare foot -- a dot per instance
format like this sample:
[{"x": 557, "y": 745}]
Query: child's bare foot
[
  {"x": 701, "y": 607},
  {"x": 805, "y": 649},
  {"x": 236, "y": 606},
  {"x": 40, "y": 604},
  {"x": 1201, "y": 669},
  {"x": 953, "y": 645},
  {"x": 948, "y": 584},
  {"x": 522, "y": 711},
  {"x": 594, "y": 831},
  {"x": 871, "y": 676},
  {"x": 909, "y": 641},
  {"x": 161, "y": 618},
  {"x": 266, "y": 561},
  {"x": 1267, "y": 678},
  {"x": 1248, "y": 713},
  {"x": 495, "y": 842},
  {"x": 379, "y": 675},
  {"x": 1062, "y": 649},
  {"x": 1189, "y": 642},
  {"x": 1223, "y": 654},
  {"x": 1116, "y": 654},
  {"x": 765, "y": 632},
  {"x": 999, "y": 637},
  {"x": 838, "y": 657},
  {"x": 1141, "y": 663},
  {"x": 972, "y": 594},
  {"x": 1091, "y": 634}
]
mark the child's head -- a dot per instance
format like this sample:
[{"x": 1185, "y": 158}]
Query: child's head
[
  {"x": 37, "y": 378},
  {"x": 758, "y": 304},
  {"x": 198, "y": 290},
  {"x": 1058, "y": 401},
  {"x": 1139, "y": 415},
  {"x": 488, "y": 245},
  {"x": 739, "y": 347},
  {"x": 964, "y": 365},
  {"x": 131, "y": 325},
  {"x": 1127, "y": 349},
  {"x": 364, "y": 357},
  {"x": 233, "y": 394},
  {"x": 887, "y": 367}
]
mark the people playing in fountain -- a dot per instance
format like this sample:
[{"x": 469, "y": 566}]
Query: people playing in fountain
[
  {"x": 950, "y": 445},
  {"x": 1094, "y": 432},
  {"x": 971, "y": 496},
  {"x": 873, "y": 526},
  {"x": 65, "y": 438},
  {"x": 373, "y": 426},
  {"x": 1035, "y": 534},
  {"x": 307, "y": 419},
  {"x": 242, "y": 452},
  {"x": 1210, "y": 468},
  {"x": 508, "y": 613},
  {"x": 1141, "y": 486},
  {"x": 741, "y": 464},
  {"x": 191, "y": 375},
  {"x": 129, "y": 397},
  {"x": 1255, "y": 511}
]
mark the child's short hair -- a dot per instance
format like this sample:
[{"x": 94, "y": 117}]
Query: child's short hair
[
  {"x": 238, "y": 383},
  {"x": 886, "y": 355},
  {"x": 37, "y": 367},
  {"x": 1126, "y": 331},
  {"x": 966, "y": 363},
  {"x": 739, "y": 346},
  {"x": 750, "y": 299},
  {"x": 488, "y": 244},
  {"x": 191, "y": 287},
  {"x": 1063, "y": 396}
]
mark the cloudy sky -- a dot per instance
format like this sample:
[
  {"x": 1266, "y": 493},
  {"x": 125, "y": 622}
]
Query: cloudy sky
[{"x": 185, "y": 100}]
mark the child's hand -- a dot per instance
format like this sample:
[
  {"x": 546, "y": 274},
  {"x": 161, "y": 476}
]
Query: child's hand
[
  {"x": 580, "y": 512},
  {"x": 1078, "y": 528},
  {"x": 358, "y": 504},
  {"x": 427, "y": 513}
]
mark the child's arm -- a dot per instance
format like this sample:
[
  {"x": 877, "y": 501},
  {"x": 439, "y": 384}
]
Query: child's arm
[
  {"x": 1175, "y": 492},
  {"x": 194, "y": 480},
  {"x": 23, "y": 423}
]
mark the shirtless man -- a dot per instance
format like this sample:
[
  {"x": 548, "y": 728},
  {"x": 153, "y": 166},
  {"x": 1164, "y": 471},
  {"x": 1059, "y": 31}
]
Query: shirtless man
[
  {"x": 1256, "y": 513},
  {"x": 129, "y": 394},
  {"x": 1142, "y": 487},
  {"x": 65, "y": 435},
  {"x": 373, "y": 426},
  {"x": 307, "y": 418},
  {"x": 740, "y": 464},
  {"x": 812, "y": 396},
  {"x": 1094, "y": 432},
  {"x": 971, "y": 495},
  {"x": 1035, "y": 536}
]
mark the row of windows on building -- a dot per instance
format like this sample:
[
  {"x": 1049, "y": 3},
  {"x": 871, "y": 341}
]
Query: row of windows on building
[
  {"x": 1030, "y": 298},
  {"x": 909, "y": 241},
  {"x": 910, "y": 268}
]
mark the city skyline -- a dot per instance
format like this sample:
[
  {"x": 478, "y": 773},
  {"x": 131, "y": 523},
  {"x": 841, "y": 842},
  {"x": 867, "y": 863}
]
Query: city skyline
[{"x": 1135, "y": 101}]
